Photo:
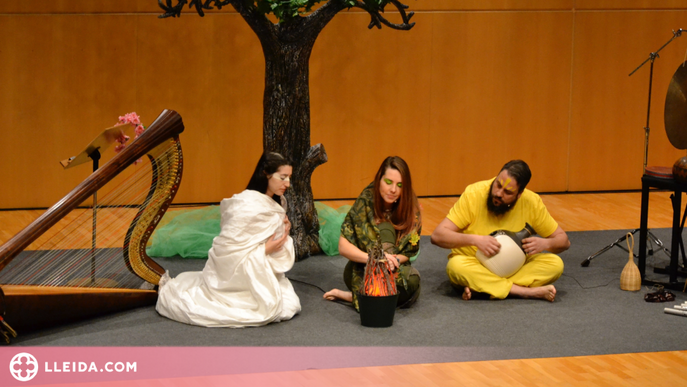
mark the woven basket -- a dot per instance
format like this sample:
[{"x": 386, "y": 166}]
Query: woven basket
[{"x": 630, "y": 279}]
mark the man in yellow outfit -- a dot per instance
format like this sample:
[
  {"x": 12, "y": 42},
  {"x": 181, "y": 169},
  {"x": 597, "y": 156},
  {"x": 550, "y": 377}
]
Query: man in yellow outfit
[{"x": 502, "y": 203}]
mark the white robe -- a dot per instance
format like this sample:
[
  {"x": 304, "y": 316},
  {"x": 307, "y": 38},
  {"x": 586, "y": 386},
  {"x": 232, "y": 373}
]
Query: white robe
[{"x": 240, "y": 285}]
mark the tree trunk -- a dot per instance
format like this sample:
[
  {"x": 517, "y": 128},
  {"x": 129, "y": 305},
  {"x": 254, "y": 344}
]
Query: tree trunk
[
  {"x": 286, "y": 103},
  {"x": 286, "y": 109},
  {"x": 286, "y": 120}
]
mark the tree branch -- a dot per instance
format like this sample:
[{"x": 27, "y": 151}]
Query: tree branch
[
  {"x": 175, "y": 10},
  {"x": 378, "y": 19},
  {"x": 258, "y": 22},
  {"x": 316, "y": 156},
  {"x": 323, "y": 15}
]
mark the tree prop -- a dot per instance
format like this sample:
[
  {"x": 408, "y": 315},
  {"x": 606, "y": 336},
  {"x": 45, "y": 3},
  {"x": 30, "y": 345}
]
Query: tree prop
[{"x": 287, "y": 46}]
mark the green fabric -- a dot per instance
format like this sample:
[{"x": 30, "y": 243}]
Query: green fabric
[
  {"x": 359, "y": 228},
  {"x": 189, "y": 234},
  {"x": 330, "y": 226}
]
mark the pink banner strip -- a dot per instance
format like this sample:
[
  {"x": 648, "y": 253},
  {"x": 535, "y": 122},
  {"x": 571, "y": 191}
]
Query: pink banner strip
[{"x": 33, "y": 366}]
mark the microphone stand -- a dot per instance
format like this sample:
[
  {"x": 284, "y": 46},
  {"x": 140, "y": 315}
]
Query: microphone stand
[
  {"x": 650, "y": 237},
  {"x": 652, "y": 57},
  {"x": 95, "y": 156},
  {"x": 93, "y": 153}
]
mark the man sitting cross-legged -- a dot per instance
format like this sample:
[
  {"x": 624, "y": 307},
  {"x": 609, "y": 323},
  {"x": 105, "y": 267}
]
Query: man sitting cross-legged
[{"x": 502, "y": 203}]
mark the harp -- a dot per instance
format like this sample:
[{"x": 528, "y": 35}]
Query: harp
[{"x": 50, "y": 273}]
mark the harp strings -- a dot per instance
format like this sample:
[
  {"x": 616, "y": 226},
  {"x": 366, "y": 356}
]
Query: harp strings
[
  {"x": 63, "y": 263},
  {"x": 67, "y": 258}
]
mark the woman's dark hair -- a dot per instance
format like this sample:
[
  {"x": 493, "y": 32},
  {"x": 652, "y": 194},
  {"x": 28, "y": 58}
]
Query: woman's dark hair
[
  {"x": 267, "y": 165},
  {"x": 404, "y": 209},
  {"x": 520, "y": 171}
]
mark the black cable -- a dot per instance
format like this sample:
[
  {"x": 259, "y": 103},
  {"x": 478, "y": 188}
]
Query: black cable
[
  {"x": 608, "y": 283},
  {"x": 338, "y": 301},
  {"x": 307, "y": 283},
  {"x": 590, "y": 287}
]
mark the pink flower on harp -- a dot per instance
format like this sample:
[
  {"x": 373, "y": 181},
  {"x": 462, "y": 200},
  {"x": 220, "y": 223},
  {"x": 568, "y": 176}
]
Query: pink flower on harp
[
  {"x": 122, "y": 139},
  {"x": 134, "y": 120},
  {"x": 130, "y": 118}
]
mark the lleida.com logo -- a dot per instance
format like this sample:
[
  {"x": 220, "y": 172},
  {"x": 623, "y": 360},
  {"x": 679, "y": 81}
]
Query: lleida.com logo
[{"x": 23, "y": 367}]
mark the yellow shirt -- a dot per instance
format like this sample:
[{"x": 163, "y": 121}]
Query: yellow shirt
[{"x": 470, "y": 214}]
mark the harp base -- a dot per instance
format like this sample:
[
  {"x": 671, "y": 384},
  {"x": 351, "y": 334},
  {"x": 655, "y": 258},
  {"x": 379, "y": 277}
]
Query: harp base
[{"x": 29, "y": 308}]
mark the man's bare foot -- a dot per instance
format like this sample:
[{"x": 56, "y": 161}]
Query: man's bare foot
[
  {"x": 336, "y": 294},
  {"x": 547, "y": 292},
  {"x": 467, "y": 293}
]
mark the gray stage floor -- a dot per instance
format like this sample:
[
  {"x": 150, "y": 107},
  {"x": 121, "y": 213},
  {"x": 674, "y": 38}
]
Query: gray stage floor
[{"x": 590, "y": 316}]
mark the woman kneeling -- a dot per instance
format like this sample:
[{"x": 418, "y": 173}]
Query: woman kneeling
[
  {"x": 386, "y": 209},
  {"x": 243, "y": 282}
]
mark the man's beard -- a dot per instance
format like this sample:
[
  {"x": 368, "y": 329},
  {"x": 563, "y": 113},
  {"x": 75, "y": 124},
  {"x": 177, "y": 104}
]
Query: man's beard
[{"x": 500, "y": 209}]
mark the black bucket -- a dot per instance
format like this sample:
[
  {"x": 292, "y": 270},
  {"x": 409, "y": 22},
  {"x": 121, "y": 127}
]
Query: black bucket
[{"x": 377, "y": 311}]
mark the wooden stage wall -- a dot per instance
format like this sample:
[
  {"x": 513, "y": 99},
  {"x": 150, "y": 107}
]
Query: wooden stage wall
[{"x": 474, "y": 84}]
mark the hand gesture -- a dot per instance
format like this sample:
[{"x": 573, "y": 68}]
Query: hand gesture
[
  {"x": 392, "y": 261},
  {"x": 534, "y": 245},
  {"x": 287, "y": 225},
  {"x": 488, "y": 245},
  {"x": 275, "y": 244}
]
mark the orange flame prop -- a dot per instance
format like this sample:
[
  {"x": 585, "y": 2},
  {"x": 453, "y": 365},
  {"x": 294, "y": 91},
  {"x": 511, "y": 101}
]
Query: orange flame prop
[{"x": 379, "y": 280}]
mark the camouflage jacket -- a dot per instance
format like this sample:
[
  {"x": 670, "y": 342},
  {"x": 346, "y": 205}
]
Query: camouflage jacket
[{"x": 359, "y": 226}]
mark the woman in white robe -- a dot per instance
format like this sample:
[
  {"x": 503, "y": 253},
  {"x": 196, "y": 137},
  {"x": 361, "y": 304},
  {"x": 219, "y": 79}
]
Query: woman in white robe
[{"x": 243, "y": 282}]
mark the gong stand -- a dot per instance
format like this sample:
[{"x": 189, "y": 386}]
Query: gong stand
[
  {"x": 650, "y": 237},
  {"x": 652, "y": 57},
  {"x": 618, "y": 242}
]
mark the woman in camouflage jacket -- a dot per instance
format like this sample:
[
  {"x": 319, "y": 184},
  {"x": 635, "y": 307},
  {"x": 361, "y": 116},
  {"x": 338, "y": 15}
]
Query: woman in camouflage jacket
[{"x": 388, "y": 210}]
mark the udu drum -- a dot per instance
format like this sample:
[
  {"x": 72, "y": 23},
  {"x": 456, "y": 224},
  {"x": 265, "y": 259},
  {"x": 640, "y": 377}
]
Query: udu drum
[{"x": 511, "y": 256}]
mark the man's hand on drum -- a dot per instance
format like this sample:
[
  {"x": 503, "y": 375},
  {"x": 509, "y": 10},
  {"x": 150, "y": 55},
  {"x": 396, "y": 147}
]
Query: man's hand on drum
[
  {"x": 534, "y": 245},
  {"x": 487, "y": 244}
]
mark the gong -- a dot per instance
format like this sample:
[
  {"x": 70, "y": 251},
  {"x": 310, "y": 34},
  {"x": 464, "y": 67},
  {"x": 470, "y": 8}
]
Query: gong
[{"x": 676, "y": 108}]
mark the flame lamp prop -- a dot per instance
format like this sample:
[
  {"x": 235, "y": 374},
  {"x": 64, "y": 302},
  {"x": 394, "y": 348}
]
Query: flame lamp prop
[{"x": 378, "y": 298}]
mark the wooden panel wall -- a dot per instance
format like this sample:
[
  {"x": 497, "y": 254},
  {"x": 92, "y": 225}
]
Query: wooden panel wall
[
  {"x": 609, "y": 107},
  {"x": 474, "y": 84}
]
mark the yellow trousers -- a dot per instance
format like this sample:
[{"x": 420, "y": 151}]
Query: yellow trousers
[{"x": 538, "y": 270}]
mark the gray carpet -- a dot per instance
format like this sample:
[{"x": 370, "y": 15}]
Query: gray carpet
[{"x": 590, "y": 316}]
